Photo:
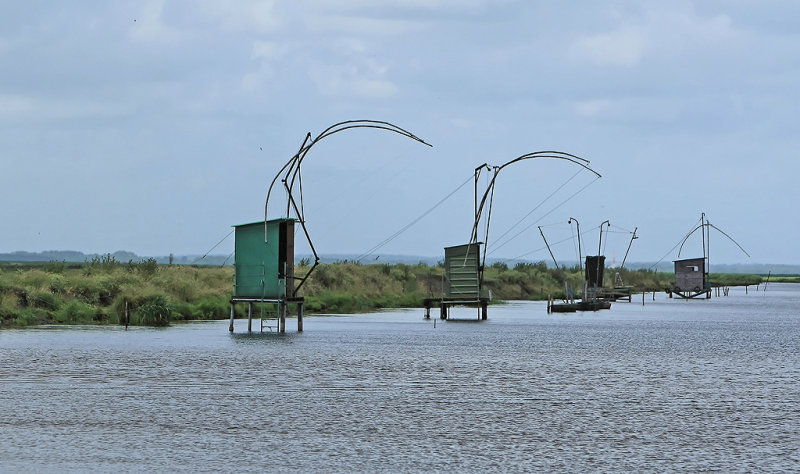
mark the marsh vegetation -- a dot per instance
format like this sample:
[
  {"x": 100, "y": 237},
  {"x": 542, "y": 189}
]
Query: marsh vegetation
[{"x": 97, "y": 291}]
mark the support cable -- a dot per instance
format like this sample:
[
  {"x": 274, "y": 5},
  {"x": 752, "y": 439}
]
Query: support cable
[
  {"x": 212, "y": 248},
  {"x": 540, "y": 204},
  {"x": 680, "y": 243},
  {"x": 543, "y": 216},
  {"x": 552, "y": 245},
  {"x": 396, "y": 234}
]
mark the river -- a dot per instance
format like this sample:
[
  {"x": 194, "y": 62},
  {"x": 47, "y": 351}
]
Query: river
[{"x": 670, "y": 385}]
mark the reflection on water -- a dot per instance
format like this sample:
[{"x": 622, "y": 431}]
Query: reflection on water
[{"x": 671, "y": 385}]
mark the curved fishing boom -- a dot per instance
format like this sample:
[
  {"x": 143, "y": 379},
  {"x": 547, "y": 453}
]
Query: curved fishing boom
[
  {"x": 291, "y": 173},
  {"x": 489, "y": 193},
  {"x": 709, "y": 225}
]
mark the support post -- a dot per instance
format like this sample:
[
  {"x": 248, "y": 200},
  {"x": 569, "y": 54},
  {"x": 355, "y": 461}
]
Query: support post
[
  {"x": 484, "y": 310},
  {"x": 300, "y": 317},
  {"x": 232, "y": 313},
  {"x": 643, "y": 298},
  {"x": 282, "y": 320},
  {"x": 249, "y": 317}
]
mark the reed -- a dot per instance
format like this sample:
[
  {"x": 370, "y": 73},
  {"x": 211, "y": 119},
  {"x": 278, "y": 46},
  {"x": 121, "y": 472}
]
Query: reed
[{"x": 97, "y": 292}]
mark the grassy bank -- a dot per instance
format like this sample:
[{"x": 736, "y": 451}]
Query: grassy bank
[{"x": 98, "y": 291}]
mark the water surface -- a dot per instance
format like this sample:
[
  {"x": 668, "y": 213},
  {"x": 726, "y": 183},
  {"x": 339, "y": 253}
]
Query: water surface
[{"x": 671, "y": 385}]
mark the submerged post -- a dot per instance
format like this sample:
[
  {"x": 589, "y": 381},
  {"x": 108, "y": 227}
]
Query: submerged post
[
  {"x": 231, "y": 326},
  {"x": 282, "y": 320},
  {"x": 249, "y": 317},
  {"x": 300, "y": 317}
]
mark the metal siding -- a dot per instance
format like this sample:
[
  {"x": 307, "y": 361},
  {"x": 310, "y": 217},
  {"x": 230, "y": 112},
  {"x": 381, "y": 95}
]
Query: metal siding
[
  {"x": 461, "y": 271},
  {"x": 256, "y": 262}
]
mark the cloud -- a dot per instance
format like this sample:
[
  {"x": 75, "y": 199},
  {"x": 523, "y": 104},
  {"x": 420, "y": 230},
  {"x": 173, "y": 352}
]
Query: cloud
[
  {"x": 149, "y": 25},
  {"x": 352, "y": 80},
  {"x": 257, "y": 16},
  {"x": 660, "y": 31},
  {"x": 17, "y": 107},
  {"x": 592, "y": 108},
  {"x": 624, "y": 47}
]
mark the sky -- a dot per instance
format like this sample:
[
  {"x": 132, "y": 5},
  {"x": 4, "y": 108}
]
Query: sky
[{"x": 154, "y": 126}]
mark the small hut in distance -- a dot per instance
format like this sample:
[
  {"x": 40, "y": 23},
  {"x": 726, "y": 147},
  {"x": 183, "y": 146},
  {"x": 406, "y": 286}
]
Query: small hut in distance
[{"x": 691, "y": 278}]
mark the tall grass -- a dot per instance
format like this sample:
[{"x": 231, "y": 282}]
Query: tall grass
[{"x": 99, "y": 291}]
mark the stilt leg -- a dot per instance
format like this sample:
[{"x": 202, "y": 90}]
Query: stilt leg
[
  {"x": 232, "y": 314},
  {"x": 299, "y": 317},
  {"x": 282, "y": 321},
  {"x": 249, "y": 317}
]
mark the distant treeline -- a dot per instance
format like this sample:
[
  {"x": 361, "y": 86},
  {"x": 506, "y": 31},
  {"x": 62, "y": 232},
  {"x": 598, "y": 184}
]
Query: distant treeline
[
  {"x": 72, "y": 256},
  {"x": 101, "y": 289}
]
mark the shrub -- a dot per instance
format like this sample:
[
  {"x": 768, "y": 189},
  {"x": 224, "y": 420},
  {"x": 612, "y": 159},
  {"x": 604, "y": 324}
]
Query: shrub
[
  {"x": 212, "y": 307},
  {"x": 75, "y": 312},
  {"x": 54, "y": 266},
  {"x": 154, "y": 311},
  {"x": 147, "y": 267},
  {"x": 57, "y": 284},
  {"x": 43, "y": 299}
]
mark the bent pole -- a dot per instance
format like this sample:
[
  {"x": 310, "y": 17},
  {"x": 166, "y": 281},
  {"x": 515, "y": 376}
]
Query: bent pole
[
  {"x": 292, "y": 167},
  {"x": 582, "y": 162}
]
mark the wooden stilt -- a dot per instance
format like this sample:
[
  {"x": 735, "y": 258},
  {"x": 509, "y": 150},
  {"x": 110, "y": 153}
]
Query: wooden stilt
[
  {"x": 299, "y": 317},
  {"x": 282, "y": 321},
  {"x": 249, "y": 317},
  {"x": 232, "y": 313}
]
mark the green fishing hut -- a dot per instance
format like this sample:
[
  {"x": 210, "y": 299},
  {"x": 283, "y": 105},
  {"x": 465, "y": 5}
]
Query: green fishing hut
[
  {"x": 264, "y": 269},
  {"x": 463, "y": 275}
]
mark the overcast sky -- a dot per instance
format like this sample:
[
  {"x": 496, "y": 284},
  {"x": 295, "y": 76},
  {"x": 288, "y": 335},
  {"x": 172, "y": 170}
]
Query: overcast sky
[{"x": 153, "y": 126}]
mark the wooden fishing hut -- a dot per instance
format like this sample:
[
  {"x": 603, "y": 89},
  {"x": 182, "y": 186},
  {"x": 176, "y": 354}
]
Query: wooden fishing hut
[
  {"x": 264, "y": 262},
  {"x": 691, "y": 278},
  {"x": 464, "y": 264},
  {"x": 692, "y": 274},
  {"x": 264, "y": 272},
  {"x": 463, "y": 274},
  {"x": 594, "y": 274}
]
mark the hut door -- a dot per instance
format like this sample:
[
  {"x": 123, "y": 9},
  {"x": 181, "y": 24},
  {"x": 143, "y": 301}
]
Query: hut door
[{"x": 286, "y": 255}]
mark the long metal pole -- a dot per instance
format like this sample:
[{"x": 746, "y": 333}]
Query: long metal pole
[
  {"x": 599, "y": 245},
  {"x": 580, "y": 255},
  {"x": 703, "y": 233},
  {"x": 548, "y": 247},
  {"x": 629, "y": 247}
]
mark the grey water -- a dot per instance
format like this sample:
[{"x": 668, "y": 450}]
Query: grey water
[{"x": 671, "y": 385}]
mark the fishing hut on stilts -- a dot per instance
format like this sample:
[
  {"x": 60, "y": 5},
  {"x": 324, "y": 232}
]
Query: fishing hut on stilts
[
  {"x": 464, "y": 264},
  {"x": 595, "y": 296},
  {"x": 692, "y": 274},
  {"x": 264, "y": 251}
]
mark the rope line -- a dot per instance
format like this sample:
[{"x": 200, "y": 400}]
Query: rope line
[
  {"x": 212, "y": 248},
  {"x": 543, "y": 216},
  {"x": 540, "y": 204},
  {"x": 555, "y": 243},
  {"x": 673, "y": 248},
  {"x": 385, "y": 241}
]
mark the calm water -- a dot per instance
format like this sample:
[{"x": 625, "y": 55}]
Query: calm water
[{"x": 672, "y": 385}]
